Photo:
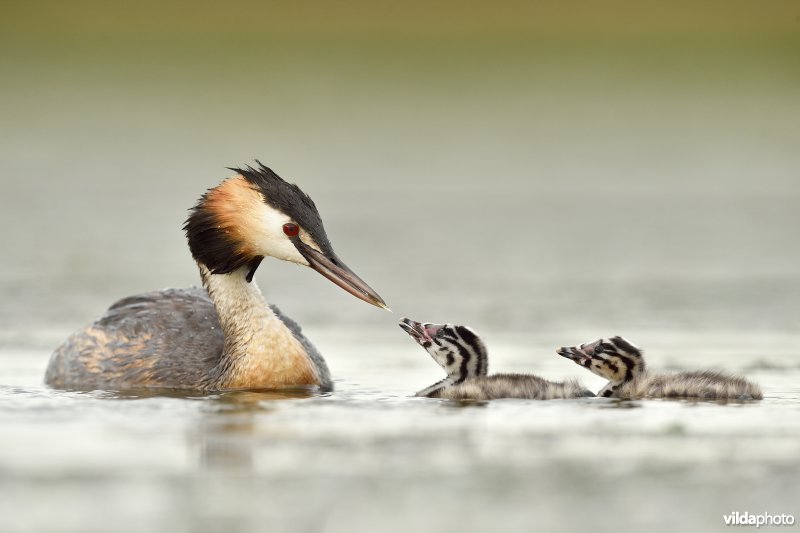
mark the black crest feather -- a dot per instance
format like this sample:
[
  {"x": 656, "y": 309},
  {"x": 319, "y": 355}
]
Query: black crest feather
[
  {"x": 214, "y": 247},
  {"x": 209, "y": 243},
  {"x": 290, "y": 199}
]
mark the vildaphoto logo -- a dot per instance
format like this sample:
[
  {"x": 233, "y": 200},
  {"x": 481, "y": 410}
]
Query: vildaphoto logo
[{"x": 764, "y": 519}]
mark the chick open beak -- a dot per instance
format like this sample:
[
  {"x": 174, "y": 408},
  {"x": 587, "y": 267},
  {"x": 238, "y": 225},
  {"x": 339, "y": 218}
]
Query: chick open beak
[
  {"x": 567, "y": 352},
  {"x": 575, "y": 354},
  {"x": 416, "y": 330}
]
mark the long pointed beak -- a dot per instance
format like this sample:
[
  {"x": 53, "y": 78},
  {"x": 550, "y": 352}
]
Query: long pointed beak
[{"x": 339, "y": 273}]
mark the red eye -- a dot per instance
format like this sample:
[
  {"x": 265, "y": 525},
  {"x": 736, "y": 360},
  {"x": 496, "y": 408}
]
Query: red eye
[{"x": 291, "y": 230}]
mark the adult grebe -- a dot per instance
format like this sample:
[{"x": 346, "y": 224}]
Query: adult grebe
[
  {"x": 622, "y": 364},
  {"x": 463, "y": 357},
  {"x": 223, "y": 336}
]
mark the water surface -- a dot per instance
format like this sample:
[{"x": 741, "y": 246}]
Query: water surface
[{"x": 368, "y": 457}]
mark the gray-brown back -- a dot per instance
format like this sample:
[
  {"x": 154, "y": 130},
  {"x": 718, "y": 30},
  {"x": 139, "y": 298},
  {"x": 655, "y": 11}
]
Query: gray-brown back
[{"x": 170, "y": 338}]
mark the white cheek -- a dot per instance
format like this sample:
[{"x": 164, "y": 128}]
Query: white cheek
[{"x": 270, "y": 239}]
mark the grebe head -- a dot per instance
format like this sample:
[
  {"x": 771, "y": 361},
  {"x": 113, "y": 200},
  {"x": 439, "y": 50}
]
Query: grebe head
[
  {"x": 614, "y": 358},
  {"x": 256, "y": 214},
  {"x": 457, "y": 349}
]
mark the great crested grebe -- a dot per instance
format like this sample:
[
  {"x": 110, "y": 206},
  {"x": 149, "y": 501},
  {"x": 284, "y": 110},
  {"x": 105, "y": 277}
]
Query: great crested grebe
[
  {"x": 462, "y": 355},
  {"x": 223, "y": 336},
  {"x": 622, "y": 364}
]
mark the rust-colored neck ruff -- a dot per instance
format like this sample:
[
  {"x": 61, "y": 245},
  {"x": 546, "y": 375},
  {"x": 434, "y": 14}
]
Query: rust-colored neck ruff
[{"x": 260, "y": 351}]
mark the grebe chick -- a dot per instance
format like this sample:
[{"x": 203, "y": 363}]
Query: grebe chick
[
  {"x": 622, "y": 364},
  {"x": 223, "y": 336},
  {"x": 462, "y": 355}
]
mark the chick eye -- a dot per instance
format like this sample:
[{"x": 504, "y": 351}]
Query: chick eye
[
  {"x": 599, "y": 349},
  {"x": 291, "y": 230}
]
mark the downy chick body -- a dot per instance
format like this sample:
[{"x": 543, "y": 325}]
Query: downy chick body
[
  {"x": 463, "y": 357},
  {"x": 622, "y": 364}
]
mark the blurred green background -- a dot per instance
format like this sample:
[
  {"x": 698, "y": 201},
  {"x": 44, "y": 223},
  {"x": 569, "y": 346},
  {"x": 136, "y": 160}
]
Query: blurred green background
[
  {"x": 508, "y": 164},
  {"x": 545, "y": 172}
]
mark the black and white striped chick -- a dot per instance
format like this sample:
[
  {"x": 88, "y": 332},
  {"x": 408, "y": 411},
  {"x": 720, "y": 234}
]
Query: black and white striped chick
[
  {"x": 462, "y": 355},
  {"x": 622, "y": 364}
]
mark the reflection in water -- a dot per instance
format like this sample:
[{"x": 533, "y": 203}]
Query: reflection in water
[
  {"x": 616, "y": 403},
  {"x": 463, "y": 404},
  {"x": 225, "y": 440},
  {"x": 142, "y": 394},
  {"x": 226, "y": 436},
  {"x": 225, "y": 432}
]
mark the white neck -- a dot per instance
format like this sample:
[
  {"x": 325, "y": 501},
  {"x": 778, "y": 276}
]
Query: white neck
[
  {"x": 609, "y": 389},
  {"x": 612, "y": 386},
  {"x": 449, "y": 381},
  {"x": 260, "y": 351}
]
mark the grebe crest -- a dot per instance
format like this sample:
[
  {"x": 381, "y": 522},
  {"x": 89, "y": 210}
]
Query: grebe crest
[
  {"x": 224, "y": 336},
  {"x": 256, "y": 214}
]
